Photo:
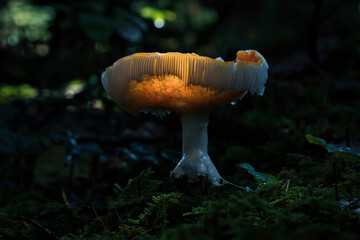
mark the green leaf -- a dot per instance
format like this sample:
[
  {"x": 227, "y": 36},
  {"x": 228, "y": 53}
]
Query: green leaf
[
  {"x": 339, "y": 151},
  {"x": 260, "y": 177}
]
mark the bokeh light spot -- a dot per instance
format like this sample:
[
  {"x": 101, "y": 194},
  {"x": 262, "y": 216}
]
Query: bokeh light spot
[
  {"x": 42, "y": 50},
  {"x": 13, "y": 40},
  {"x": 98, "y": 104},
  {"x": 159, "y": 23},
  {"x": 74, "y": 87}
]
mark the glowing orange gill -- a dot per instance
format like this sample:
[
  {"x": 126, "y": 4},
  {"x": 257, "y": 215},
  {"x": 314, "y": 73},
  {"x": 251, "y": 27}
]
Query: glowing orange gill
[{"x": 170, "y": 92}]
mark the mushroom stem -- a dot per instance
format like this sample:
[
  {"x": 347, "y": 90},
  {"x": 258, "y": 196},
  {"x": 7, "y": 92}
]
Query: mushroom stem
[{"x": 195, "y": 160}]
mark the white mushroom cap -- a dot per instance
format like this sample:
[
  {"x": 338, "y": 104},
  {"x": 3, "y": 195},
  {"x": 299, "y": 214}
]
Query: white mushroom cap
[{"x": 247, "y": 73}]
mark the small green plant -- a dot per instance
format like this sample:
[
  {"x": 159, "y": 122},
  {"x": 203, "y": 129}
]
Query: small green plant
[
  {"x": 260, "y": 177},
  {"x": 349, "y": 160},
  {"x": 345, "y": 153}
]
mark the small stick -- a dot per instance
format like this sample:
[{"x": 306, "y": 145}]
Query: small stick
[
  {"x": 44, "y": 229},
  {"x": 98, "y": 218},
  {"x": 286, "y": 185},
  {"x": 64, "y": 197}
]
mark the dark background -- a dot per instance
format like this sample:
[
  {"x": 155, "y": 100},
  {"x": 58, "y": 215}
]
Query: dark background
[{"x": 63, "y": 140}]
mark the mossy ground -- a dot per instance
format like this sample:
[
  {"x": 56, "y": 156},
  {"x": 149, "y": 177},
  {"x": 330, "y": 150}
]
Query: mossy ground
[{"x": 91, "y": 197}]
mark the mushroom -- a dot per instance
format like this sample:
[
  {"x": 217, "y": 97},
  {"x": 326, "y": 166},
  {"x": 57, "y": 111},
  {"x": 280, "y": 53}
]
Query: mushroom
[{"x": 190, "y": 85}]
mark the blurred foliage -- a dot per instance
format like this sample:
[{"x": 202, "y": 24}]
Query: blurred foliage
[
  {"x": 75, "y": 166},
  {"x": 21, "y": 20}
]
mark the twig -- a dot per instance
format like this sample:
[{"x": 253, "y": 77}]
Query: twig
[
  {"x": 117, "y": 214},
  {"x": 286, "y": 185},
  {"x": 64, "y": 197},
  {"x": 121, "y": 223},
  {"x": 25, "y": 224},
  {"x": 39, "y": 226},
  {"x": 98, "y": 218},
  {"x": 141, "y": 234},
  {"x": 322, "y": 73}
]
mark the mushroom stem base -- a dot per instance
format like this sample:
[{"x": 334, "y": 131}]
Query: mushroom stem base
[
  {"x": 195, "y": 160},
  {"x": 197, "y": 164}
]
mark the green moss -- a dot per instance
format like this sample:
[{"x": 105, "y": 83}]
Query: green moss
[
  {"x": 11, "y": 228},
  {"x": 137, "y": 189},
  {"x": 23, "y": 203},
  {"x": 157, "y": 213}
]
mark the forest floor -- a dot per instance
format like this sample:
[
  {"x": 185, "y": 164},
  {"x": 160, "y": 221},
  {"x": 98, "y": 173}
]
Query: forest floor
[{"x": 67, "y": 160}]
